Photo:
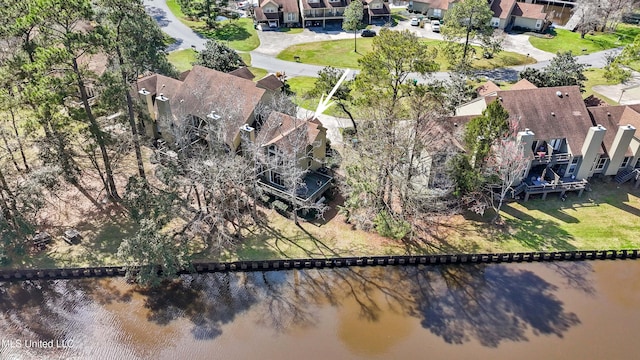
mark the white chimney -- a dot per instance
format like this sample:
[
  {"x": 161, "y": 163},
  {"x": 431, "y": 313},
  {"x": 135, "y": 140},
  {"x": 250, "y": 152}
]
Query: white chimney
[{"x": 247, "y": 131}]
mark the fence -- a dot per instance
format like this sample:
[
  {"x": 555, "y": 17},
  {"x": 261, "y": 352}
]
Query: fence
[{"x": 274, "y": 265}]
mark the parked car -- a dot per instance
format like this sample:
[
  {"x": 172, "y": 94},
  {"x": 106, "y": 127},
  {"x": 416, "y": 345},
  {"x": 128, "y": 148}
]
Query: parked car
[
  {"x": 368, "y": 33},
  {"x": 415, "y": 21},
  {"x": 435, "y": 25}
]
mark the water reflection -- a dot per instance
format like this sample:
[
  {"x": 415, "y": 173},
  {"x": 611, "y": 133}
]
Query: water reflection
[
  {"x": 489, "y": 304},
  {"x": 363, "y": 312}
]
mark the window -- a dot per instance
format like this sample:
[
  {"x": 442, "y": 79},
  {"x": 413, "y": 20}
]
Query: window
[
  {"x": 601, "y": 163},
  {"x": 625, "y": 161},
  {"x": 538, "y": 24},
  {"x": 495, "y": 22},
  {"x": 276, "y": 179},
  {"x": 313, "y": 1},
  {"x": 333, "y": 1},
  {"x": 574, "y": 164},
  {"x": 376, "y": 6},
  {"x": 270, "y": 9},
  {"x": 555, "y": 144},
  {"x": 437, "y": 12},
  {"x": 291, "y": 17}
]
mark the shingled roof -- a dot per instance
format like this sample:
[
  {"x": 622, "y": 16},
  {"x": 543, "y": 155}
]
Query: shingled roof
[
  {"x": 270, "y": 82},
  {"x": 502, "y": 8},
  {"x": 437, "y": 4},
  {"x": 284, "y": 131},
  {"x": 523, "y": 84},
  {"x": 204, "y": 91},
  {"x": 611, "y": 117},
  {"x": 530, "y": 11},
  {"x": 243, "y": 72},
  {"x": 487, "y": 88},
  {"x": 551, "y": 113}
]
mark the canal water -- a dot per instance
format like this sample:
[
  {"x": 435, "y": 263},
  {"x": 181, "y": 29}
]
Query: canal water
[{"x": 497, "y": 311}]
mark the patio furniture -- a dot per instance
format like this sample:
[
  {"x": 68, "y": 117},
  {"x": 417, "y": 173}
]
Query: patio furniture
[
  {"x": 72, "y": 236},
  {"x": 41, "y": 240}
]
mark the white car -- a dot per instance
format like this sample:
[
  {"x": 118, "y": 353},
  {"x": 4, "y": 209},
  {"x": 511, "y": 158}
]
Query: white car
[
  {"x": 415, "y": 21},
  {"x": 435, "y": 25}
]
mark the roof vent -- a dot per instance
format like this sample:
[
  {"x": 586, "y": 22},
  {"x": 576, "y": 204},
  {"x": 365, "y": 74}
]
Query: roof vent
[
  {"x": 566, "y": 94},
  {"x": 559, "y": 94},
  {"x": 500, "y": 98},
  {"x": 608, "y": 113},
  {"x": 552, "y": 113},
  {"x": 455, "y": 124}
]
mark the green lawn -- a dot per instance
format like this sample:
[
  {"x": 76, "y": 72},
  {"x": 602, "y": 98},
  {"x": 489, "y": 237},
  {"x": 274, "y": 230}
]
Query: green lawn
[
  {"x": 340, "y": 53},
  {"x": 174, "y": 7},
  {"x": 182, "y": 59},
  {"x": 605, "y": 218},
  {"x": 292, "y": 31},
  {"x": 399, "y": 14},
  {"x": 596, "y": 77},
  {"x": 300, "y": 85},
  {"x": 238, "y": 34},
  {"x": 565, "y": 40},
  {"x": 98, "y": 247}
]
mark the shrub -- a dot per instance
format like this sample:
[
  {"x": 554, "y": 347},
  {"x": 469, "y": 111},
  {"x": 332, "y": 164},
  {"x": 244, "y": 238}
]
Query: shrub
[{"x": 388, "y": 226}]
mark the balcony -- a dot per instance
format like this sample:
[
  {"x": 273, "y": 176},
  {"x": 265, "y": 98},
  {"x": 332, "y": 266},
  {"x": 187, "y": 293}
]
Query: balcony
[
  {"x": 557, "y": 158},
  {"x": 326, "y": 14},
  {"x": 545, "y": 187},
  {"x": 315, "y": 184}
]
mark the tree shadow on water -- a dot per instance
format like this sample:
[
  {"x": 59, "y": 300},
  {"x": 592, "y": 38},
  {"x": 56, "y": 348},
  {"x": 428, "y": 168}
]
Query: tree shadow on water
[
  {"x": 208, "y": 301},
  {"x": 490, "y": 304}
]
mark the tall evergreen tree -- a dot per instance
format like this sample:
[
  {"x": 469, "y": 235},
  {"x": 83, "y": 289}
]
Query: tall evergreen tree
[{"x": 353, "y": 19}]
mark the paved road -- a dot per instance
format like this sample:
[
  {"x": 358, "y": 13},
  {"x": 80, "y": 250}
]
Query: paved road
[
  {"x": 185, "y": 37},
  {"x": 273, "y": 42}
]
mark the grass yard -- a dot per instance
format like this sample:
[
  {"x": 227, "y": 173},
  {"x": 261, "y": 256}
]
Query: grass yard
[
  {"x": 399, "y": 14},
  {"x": 605, "y": 218},
  {"x": 565, "y": 40},
  {"x": 300, "y": 85},
  {"x": 238, "y": 34},
  {"x": 283, "y": 239},
  {"x": 182, "y": 59},
  {"x": 339, "y": 53},
  {"x": 291, "y": 31},
  {"x": 596, "y": 77}
]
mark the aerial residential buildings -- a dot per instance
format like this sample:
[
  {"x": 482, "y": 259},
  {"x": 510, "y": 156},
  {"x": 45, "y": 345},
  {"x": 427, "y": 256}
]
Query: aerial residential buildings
[{"x": 566, "y": 142}]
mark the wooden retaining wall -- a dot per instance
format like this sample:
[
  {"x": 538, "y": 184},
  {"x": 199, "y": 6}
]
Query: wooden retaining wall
[{"x": 274, "y": 265}]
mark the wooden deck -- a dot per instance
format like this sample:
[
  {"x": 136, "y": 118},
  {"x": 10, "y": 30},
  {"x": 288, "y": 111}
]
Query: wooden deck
[{"x": 545, "y": 188}]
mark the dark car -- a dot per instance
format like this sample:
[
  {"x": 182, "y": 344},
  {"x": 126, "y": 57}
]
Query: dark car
[{"x": 368, "y": 33}]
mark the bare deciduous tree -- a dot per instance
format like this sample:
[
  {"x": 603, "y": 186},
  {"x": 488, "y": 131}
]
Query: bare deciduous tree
[{"x": 505, "y": 168}]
